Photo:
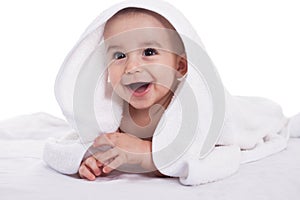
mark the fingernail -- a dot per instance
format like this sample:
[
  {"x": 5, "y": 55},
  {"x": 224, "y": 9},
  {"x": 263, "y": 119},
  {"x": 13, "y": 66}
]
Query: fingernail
[{"x": 105, "y": 170}]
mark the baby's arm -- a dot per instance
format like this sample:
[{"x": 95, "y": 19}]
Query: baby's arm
[{"x": 126, "y": 149}]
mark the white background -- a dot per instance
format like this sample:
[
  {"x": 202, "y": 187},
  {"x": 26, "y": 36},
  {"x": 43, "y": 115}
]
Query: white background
[{"x": 254, "y": 44}]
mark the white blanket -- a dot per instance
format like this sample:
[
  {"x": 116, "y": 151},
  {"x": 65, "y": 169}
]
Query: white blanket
[
  {"x": 24, "y": 175},
  {"x": 244, "y": 128}
]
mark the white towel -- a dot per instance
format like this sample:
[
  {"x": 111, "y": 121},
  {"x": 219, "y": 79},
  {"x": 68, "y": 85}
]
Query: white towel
[{"x": 243, "y": 128}]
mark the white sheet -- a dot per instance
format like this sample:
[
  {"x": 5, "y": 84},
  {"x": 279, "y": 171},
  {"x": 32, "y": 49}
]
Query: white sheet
[{"x": 23, "y": 175}]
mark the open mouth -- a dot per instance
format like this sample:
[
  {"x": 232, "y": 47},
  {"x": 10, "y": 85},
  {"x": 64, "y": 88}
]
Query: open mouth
[{"x": 139, "y": 87}]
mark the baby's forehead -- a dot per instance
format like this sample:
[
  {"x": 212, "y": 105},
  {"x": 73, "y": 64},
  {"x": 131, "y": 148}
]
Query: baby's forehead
[
  {"x": 134, "y": 18},
  {"x": 161, "y": 38}
]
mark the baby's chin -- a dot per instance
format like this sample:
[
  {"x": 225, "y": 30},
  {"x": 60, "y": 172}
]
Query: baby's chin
[
  {"x": 140, "y": 105},
  {"x": 136, "y": 103}
]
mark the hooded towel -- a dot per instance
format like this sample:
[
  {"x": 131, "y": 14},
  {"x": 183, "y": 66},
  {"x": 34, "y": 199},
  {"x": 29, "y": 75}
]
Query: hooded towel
[{"x": 203, "y": 135}]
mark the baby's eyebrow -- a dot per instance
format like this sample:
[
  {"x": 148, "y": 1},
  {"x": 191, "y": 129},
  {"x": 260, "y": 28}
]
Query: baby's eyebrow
[
  {"x": 109, "y": 48},
  {"x": 152, "y": 43}
]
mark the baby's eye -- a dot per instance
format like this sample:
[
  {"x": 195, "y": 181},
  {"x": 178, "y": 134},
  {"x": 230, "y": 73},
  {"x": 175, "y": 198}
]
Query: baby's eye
[
  {"x": 149, "y": 52},
  {"x": 119, "y": 55}
]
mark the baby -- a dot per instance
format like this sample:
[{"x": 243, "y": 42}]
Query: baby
[{"x": 144, "y": 71}]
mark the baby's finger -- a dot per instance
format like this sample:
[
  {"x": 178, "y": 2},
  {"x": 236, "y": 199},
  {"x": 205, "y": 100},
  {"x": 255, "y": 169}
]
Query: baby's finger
[
  {"x": 117, "y": 162},
  {"x": 84, "y": 172},
  {"x": 99, "y": 163},
  {"x": 91, "y": 163},
  {"x": 103, "y": 157}
]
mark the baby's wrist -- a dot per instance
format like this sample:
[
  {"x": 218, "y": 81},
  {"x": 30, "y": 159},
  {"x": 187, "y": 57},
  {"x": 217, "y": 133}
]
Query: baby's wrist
[{"x": 146, "y": 161}]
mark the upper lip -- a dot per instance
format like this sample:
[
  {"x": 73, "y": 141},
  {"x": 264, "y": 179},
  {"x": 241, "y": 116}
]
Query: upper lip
[
  {"x": 134, "y": 86},
  {"x": 138, "y": 82},
  {"x": 139, "y": 77}
]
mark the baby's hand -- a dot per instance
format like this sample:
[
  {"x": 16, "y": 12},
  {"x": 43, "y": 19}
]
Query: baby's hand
[
  {"x": 126, "y": 149},
  {"x": 90, "y": 168}
]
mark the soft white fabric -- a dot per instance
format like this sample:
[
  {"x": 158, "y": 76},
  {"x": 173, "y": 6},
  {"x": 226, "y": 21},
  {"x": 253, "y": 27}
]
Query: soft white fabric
[
  {"x": 33, "y": 126},
  {"x": 24, "y": 175},
  {"x": 254, "y": 127}
]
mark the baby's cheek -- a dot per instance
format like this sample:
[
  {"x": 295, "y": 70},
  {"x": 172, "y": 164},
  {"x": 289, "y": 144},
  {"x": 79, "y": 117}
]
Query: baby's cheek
[
  {"x": 162, "y": 79},
  {"x": 114, "y": 77},
  {"x": 161, "y": 90}
]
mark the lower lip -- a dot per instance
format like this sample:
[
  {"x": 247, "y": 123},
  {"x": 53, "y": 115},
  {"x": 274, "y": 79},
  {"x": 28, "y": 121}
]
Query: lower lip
[{"x": 140, "y": 94}]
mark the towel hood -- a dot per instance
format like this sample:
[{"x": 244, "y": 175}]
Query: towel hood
[{"x": 192, "y": 122}]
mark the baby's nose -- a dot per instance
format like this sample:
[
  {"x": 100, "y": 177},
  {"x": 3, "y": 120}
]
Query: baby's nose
[{"x": 133, "y": 64}]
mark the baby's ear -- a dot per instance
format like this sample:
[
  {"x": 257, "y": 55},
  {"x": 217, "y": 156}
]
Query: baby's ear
[{"x": 182, "y": 64}]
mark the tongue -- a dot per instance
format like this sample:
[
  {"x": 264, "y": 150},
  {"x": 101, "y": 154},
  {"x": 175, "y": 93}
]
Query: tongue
[{"x": 141, "y": 89}]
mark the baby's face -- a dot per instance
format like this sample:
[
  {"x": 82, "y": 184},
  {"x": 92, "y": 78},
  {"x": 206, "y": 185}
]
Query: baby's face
[{"x": 143, "y": 62}]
